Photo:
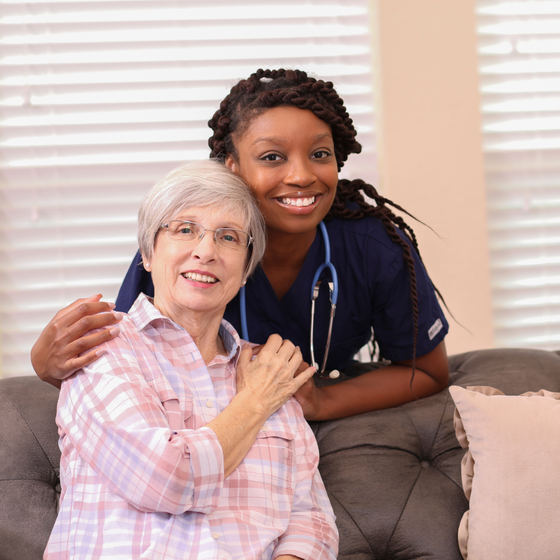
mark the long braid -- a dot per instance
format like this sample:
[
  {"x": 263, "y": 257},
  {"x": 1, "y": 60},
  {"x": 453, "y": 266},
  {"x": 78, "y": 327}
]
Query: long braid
[
  {"x": 266, "y": 89},
  {"x": 350, "y": 191}
]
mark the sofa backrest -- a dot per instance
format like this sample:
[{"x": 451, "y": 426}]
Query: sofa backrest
[{"x": 29, "y": 467}]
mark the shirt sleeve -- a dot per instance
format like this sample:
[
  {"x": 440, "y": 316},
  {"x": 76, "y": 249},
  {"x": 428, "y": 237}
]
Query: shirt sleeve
[
  {"x": 392, "y": 313},
  {"x": 312, "y": 533},
  {"x": 118, "y": 425}
]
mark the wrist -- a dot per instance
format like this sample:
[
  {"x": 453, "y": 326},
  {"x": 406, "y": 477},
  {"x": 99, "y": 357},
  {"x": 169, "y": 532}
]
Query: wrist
[
  {"x": 313, "y": 409},
  {"x": 249, "y": 404}
]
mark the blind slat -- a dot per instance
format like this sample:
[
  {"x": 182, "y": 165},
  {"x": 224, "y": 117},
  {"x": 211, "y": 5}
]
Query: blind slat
[
  {"x": 99, "y": 99},
  {"x": 519, "y": 67}
]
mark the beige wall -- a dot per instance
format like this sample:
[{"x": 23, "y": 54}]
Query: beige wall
[{"x": 430, "y": 148}]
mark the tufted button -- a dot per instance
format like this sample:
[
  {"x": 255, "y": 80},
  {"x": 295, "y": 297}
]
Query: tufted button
[{"x": 425, "y": 464}]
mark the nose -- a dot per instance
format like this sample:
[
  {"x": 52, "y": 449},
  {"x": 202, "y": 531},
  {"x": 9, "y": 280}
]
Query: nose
[
  {"x": 300, "y": 173},
  {"x": 206, "y": 248}
]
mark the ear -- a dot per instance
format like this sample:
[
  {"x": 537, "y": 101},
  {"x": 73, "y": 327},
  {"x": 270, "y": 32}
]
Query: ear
[
  {"x": 147, "y": 266},
  {"x": 232, "y": 164}
]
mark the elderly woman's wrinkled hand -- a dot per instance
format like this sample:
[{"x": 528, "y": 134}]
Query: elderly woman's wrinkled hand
[{"x": 270, "y": 377}]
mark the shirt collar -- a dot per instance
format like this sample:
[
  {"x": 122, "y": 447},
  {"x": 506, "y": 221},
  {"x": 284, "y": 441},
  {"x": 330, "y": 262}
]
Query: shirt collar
[
  {"x": 144, "y": 313},
  {"x": 231, "y": 340}
]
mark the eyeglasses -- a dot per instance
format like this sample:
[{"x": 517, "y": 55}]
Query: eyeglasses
[{"x": 225, "y": 238}]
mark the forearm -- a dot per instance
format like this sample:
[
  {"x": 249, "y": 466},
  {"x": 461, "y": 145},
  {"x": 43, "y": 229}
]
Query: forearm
[
  {"x": 382, "y": 388},
  {"x": 237, "y": 428},
  {"x": 264, "y": 384},
  {"x": 168, "y": 476},
  {"x": 385, "y": 387}
]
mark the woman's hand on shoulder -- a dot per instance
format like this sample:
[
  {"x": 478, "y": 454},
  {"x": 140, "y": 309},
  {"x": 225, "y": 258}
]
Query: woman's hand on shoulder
[
  {"x": 271, "y": 375},
  {"x": 59, "y": 350}
]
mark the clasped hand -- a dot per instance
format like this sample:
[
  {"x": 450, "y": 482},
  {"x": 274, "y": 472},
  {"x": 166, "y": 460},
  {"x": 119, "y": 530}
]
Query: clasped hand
[{"x": 275, "y": 374}]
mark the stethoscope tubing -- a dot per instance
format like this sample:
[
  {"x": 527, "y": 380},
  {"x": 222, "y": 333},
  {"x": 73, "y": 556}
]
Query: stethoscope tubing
[{"x": 333, "y": 295}]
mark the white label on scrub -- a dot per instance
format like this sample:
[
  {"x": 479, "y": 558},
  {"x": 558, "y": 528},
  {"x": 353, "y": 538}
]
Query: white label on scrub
[{"x": 435, "y": 328}]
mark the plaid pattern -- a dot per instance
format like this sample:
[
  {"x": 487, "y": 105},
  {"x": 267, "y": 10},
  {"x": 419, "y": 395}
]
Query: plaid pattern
[{"x": 142, "y": 477}]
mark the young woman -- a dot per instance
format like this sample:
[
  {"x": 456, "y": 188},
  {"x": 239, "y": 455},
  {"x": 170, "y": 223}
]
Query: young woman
[{"x": 287, "y": 135}]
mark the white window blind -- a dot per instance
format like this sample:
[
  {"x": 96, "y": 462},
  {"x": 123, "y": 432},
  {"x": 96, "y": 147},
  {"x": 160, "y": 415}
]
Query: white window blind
[
  {"x": 519, "y": 46},
  {"x": 99, "y": 99}
]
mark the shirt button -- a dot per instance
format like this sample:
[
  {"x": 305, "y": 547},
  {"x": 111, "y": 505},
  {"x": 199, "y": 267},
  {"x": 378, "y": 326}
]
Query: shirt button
[
  {"x": 216, "y": 536},
  {"x": 264, "y": 428},
  {"x": 209, "y": 403}
]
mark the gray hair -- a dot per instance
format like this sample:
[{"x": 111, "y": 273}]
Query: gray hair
[{"x": 200, "y": 184}]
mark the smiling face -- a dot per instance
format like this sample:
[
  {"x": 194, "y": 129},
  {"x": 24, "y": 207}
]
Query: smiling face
[
  {"x": 286, "y": 155},
  {"x": 198, "y": 279}
]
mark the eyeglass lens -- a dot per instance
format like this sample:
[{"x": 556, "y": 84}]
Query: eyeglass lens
[{"x": 226, "y": 238}]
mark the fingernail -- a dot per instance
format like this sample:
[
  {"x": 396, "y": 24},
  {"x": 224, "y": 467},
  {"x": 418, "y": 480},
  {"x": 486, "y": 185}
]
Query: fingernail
[
  {"x": 118, "y": 316},
  {"x": 114, "y": 331},
  {"x": 100, "y": 352},
  {"x": 110, "y": 304}
]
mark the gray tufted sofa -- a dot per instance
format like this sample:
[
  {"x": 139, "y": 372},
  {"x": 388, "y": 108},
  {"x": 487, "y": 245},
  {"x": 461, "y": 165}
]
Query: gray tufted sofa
[{"x": 393, "y": 476}]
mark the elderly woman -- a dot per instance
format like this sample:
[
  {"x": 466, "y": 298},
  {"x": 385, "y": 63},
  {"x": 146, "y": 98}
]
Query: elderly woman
[{"x": 176, "y": 443}]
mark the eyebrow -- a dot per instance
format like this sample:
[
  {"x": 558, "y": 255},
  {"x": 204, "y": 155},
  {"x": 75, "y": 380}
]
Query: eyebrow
[
  {"x": 280, "y": 139},
  {"x": 198, "y": 219}
]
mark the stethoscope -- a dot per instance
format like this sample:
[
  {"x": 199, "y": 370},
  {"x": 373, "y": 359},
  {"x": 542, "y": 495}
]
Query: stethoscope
[{"x": 316, "y": 285}]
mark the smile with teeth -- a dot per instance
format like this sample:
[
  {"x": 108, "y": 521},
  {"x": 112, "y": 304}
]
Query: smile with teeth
[
  {"x": 298, "y": 201},
  {"x": 200, "y": 277}
]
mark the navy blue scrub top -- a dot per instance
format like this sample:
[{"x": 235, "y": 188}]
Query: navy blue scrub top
[{"x": 374, "y": 292}]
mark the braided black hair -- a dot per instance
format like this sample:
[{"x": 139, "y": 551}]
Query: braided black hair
[{"x": 266, "y": 89}]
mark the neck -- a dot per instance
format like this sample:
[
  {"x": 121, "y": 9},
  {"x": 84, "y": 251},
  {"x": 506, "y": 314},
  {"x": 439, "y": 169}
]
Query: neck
[
  {"x": 203, "y": 327},
  {"x": 284, "y": 258},
  {"x": 207, "y": 340},
  {"x": 287, "y": 249}
]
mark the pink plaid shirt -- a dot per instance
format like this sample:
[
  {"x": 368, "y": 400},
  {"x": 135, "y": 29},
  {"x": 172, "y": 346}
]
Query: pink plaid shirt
[{"x": 142, "y": 477}]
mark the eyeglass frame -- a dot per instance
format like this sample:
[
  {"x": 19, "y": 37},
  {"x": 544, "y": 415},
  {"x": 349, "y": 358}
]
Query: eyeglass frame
[{"x": 214, "y": 231}]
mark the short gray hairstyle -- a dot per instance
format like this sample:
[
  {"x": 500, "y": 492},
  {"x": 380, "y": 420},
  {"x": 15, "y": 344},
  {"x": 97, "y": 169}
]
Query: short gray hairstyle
[{"x": 200, "y": 184}]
